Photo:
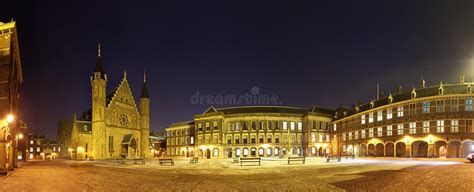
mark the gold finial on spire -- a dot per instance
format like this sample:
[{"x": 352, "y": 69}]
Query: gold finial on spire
[
  {"x": 98, "y": 49},
  {"x": 144, "y": 76}
]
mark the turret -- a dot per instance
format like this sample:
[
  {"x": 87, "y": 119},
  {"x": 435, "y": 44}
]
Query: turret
[
  {"x": 98, "y": 85},
  {"x": 145, "y": 119}
]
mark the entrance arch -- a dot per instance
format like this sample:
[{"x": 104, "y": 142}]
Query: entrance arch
[
  {"x": 454, "y": 149},
  {"x": 208, "y": 153},
  {"x": 371, "y": 150},
  {"x": 389, "y": 150},
  {"x": 440, "y": 149},
  {"x": 467, "y": 147},
  {"x": 419, "y": 149},
  {"x": 237, "y": 152},
  {"x": 400, "y": 149},
  {"x": 379, "y": 150},
  {"x": 229, "y": 153}
]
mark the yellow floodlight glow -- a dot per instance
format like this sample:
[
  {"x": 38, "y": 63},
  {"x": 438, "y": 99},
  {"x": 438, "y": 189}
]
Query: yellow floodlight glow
[
  {"x": 20, "y": 136},
  {"x": 407, "y": 139},
  {"x": 10, "y": 118},
  {"x": 265, "y": 145}
]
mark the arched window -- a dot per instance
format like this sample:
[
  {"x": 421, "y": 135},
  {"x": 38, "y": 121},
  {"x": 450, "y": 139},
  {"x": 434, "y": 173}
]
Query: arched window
[
  {"x": 313, "y": 150},
  {"x": 216, "y": 152},
  {"x": 260, "y": 152},
  {"x": 237, "y": 152},
  {"x": 269, "y": 151},
  {"x": 253, "y": 151},
  {"x": 246, "y": 152},
  {"x": 277, "y": 151}
]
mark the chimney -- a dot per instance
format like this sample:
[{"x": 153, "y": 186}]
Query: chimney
[{"x": 422, "y": 82}]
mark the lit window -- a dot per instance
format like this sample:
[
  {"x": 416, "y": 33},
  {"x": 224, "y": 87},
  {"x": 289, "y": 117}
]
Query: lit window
[
  {"x": 237, "y": 126},
  {"x": 469, "y": 104},
  {"x": 440, "y": 126},
  {"x": 320, "y": 138},
  {"x": 412, "y": 127},
  {"x": 31, "y": 149},
  {"x": 37, "y": 149},
  {"x": 454, "y": 126},
  {"x": 246, "y": 152},
  {"x": 31, "y": 142},
  {"x": 313, "y": 138},
  {"x": 285, "y": 125},
  {"x": 362, "y": 134},
  {"x": 327, "y": 138},
  {"x": 31, "y": 155},
  {"x": 426, "y": 106},
  {"x": 400, "y": 111},
  {"x": 300, "y": 126},
  {"x": 350, "y": 136},
  {"x": 389, "y": 113},
  {"x": 292, "y": 126},
  {"x": 362, "y": 119},
  {"x": 343, "y": 136},
  {"x": 335, "y": 127},
  {"x": 389, "y": 130},
  {"x": 426, "y": 127},
  {"x": 400, "y": 129},
  {"x": 371, "y": 117},
  {"x": 54, "y": 148},
  {"x": 192, "y": 140},
  {"x": 379, "y": 132},
  {"x": 371, "y": 132},
  {"x": 379, "y": 115}
]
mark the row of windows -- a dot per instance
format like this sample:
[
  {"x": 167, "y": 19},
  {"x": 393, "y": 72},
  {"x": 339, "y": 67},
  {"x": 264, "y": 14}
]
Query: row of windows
[
  {"x": 399, "y": 129},
  {"x": 177, "y": 132},
  {"x": 440, "y": 107},
  {"x": 181, "y": 141}
]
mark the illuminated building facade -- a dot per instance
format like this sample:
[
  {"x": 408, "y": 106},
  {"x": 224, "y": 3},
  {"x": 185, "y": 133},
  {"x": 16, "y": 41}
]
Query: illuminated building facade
[
  {"x": 252, "y": 131},
  {"x": 114, "y": 126},
  {"x": 10, "y": 80},
  {"x": 433, "y": 121},
  {"x": 35, "y": 144}
]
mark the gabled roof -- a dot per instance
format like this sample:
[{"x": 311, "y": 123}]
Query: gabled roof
[
  {"x": 210, "y": 110},
  {"x": 127, "y": 138},
  {"x": 181, "y": 123}
]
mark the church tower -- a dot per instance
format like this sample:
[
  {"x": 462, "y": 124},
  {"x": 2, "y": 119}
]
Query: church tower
[
  {"x": 98, "y": 85},
  {"x": 145, "y": 120}
]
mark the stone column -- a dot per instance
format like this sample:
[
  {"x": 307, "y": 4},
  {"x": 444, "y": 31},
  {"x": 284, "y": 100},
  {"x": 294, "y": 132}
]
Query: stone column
[
  {"x": 431, "y": 151},
  {"x": 408, "y": 152},
  {"x": 15, "y": 156}
]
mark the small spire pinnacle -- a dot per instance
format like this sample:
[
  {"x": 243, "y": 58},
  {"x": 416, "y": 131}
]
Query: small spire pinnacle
[
  {"x": 144, "y": 76},
  {"x": 124, "y": 73},
  {"x": 98, "y": 49}
]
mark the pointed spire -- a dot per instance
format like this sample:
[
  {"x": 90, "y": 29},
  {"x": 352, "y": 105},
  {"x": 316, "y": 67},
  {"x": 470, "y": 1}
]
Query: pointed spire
[
  {"x": 99, "y": 67},
  {"x": 144, "y": 88}
]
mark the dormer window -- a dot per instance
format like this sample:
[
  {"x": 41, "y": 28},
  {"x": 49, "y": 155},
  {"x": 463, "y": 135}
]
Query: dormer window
[
  {"x": 413, "y": 93},
  {"x": 372, "y": 104},
  {"x": 390, "y": 98}
]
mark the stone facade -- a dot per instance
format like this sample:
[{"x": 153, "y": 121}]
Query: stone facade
[
  {"x": 114, "y": 126},
  {"x": 254, "y": 131}
]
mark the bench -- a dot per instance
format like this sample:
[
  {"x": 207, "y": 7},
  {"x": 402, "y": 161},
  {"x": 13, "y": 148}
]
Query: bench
[
  {"x": 350, "y": 157},
  {"x": 141, "y": 160},
  {"x": 302, "y": 159},
  {"x": 163, "y": 161},
  {"x": 332, "y": 158},
  {"x": 194, "y": 160},
  {"x": 250, "y": 159}
]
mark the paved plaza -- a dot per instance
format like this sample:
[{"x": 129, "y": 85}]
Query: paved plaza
[{"x": 371, "y": 174}]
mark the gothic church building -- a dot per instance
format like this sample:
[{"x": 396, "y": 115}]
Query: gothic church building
[{"x": 115, "y": 126}]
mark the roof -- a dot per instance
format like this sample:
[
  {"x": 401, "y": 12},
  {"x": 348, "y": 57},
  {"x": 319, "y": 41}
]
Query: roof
[
  {"x": 461, "y": 88},
  {"x": 269, "y": 109},
  {"x": 84, "y": 127},
  {"x": 181, "y": 123}
]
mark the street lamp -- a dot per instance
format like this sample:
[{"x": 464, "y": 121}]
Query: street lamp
[{"x": 10, "y": 118}]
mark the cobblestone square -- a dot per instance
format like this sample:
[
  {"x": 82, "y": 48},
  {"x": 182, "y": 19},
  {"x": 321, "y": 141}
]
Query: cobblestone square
[{"x": 371, "y": 174}]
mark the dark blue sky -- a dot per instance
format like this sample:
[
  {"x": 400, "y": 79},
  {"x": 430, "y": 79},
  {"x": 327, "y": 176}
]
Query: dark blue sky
[{"x": 323, "y": 53}]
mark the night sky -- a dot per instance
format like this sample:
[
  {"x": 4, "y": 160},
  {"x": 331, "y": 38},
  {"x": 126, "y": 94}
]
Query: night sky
[{"x": 307, "y": 53}]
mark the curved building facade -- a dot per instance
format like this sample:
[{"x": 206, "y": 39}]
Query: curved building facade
[
  {"x": 252, "y": 131},
  {"x": 433, "y": 121}
]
